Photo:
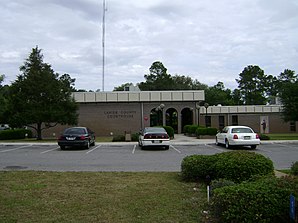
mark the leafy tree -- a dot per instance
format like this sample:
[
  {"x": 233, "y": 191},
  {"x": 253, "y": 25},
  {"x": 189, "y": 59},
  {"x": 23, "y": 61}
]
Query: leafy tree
[
  {"x": 40, "y": 98},
  {"x": 3, "y": 100},
  {"x": 253, "y": 85},
  {"x": 236, "y": 97},
  {"x": 158, "y": 79},
  {"x": 218, "y": 95},
  {"x": 122, "y": 87},
  {"x": 288, "y": 95}
]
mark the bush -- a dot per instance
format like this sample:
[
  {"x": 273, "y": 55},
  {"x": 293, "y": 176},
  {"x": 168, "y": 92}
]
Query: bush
[
  {"x": 236, "y": 166},
  {"x": 170, "y": 131},
  {"x": 219, "y": 183},
  {"x": 265, "y": 200},
  {"x": 196, "y": 167},
  {"x": 119, "y": 138},
  {"x": 206, "y": 131},
  {"x": 135, "y": 137},
  {"x": 15, "y": 134},
  {"x": 186, "y": 128},
  {"x": 264, "y": 137},
  {"x": 294, "y": 168},
  {"x": 242, "y": 165}
]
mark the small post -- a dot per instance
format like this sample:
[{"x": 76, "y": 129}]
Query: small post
[
  {"x": 208, "y": 181},
  {"x": 292, "y": 209}
]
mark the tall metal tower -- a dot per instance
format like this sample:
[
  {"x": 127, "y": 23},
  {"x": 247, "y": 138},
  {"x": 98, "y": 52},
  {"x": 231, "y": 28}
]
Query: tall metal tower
[{"x": 103, "y": 42}]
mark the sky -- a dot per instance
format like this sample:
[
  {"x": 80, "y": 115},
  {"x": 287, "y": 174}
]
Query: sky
[{"x": 209, "y": 41}]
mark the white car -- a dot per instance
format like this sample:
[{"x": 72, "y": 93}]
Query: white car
[
  {"x": 237, "y": 136},
  {"x": 154, "y": 137}
]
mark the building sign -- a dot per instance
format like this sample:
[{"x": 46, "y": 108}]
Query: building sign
[{"x": 120, "y": 114}]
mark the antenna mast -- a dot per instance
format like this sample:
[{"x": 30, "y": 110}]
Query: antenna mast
[{"x": 103, "y": 44}]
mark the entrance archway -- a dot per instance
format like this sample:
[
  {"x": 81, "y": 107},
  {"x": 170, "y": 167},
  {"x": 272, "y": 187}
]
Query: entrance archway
[
  {"x": 172, "y": 119},
  {"x": 186, "y": 117}
]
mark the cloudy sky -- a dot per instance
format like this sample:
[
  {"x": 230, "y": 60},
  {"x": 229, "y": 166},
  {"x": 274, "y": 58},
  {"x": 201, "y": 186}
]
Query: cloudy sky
[{"x": 209, "y": 41}]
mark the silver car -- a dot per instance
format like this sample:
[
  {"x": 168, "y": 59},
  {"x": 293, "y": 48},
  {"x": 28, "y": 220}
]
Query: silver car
[
  {"x": 237, "y": 136},
  {"x": 154, "y": 137}
]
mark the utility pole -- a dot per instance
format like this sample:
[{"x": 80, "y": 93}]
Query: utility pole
[{"x": 103, "y": 43}]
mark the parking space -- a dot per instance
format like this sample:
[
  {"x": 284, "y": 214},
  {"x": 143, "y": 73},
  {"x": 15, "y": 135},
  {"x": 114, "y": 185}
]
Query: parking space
[{"x": 124, "y": 157}]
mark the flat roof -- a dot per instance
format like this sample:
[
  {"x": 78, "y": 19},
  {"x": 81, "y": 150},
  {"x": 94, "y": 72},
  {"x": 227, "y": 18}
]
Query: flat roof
[{"x": 139, "y": 96}]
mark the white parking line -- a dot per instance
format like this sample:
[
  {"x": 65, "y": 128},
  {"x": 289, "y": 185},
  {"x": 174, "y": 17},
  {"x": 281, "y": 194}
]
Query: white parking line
[
  {"x": 50, "y": 150},
  {"x": 134, "y": 149},
  {"x": 213, "y": 147},
  {"x": 177, "y": 150},
  {"x": 8, "y": 150},
  {"x": 93, "y": 149}
]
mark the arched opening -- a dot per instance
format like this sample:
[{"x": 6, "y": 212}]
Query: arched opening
[
  {"x": 186, "y": 117},
  {"x": 172, "y": 119},
  {"x": 156, "y": 118}
]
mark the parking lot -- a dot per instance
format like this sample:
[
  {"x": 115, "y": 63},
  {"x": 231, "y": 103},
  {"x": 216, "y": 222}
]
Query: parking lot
[{"x": 125, "y": 156}]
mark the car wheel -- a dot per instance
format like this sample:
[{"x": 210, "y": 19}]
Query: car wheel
[
  {"x": 88, "y": 145},
  {"x": 253, "y": 146},
  {"x": 62, "y": 147},
  {"x": 227, "y": 144},
  {"x": 167, "y": 147},
  {"x": 216, "y": 142},
  {"x": 92, "y": 144}
]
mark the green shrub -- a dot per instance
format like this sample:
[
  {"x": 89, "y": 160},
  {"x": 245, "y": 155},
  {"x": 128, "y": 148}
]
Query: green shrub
[
  {"x": 15, "y": 134},
  {"x": 135, "y": 137},
  {"x": 186, "y": 128},
  {"x": 218, "y": 183},
  {"x": 265, "y": 200},
  {"x": 264, "y": 137},
  {"x": 119, "y": 138},
  {"x": 242, "y": 165},
  {"x": 294, "y": 168},
  {"x": 236, "y": 166},
  {"x": 196, "y": 167},
  {"x": 206, "y": 131},
  {"x": 170, "y": 131}
]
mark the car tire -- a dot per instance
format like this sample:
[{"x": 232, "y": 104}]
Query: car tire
[
  {"x": 227, "y": 144},
  {"x": 62, "y": 147},
  {"x": 88, "y": 145},
  {"x": 253, "y": 146},
  {"x": 167, "y": 147},
  {"x": 216, "y": 142}
]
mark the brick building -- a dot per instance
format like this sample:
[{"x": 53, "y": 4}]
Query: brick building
[{"x": 118, "y": 113}]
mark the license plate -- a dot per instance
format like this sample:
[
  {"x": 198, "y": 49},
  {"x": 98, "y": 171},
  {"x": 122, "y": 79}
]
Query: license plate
[
  {"x": 247, "y": 137},
  {"x": 70, "y": 138},
  {"x": 156, "y": 141}
]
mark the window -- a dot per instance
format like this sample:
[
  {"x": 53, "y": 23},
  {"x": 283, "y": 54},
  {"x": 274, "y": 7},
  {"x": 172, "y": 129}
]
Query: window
[
  {"x": 293, "y": 126},
  {"x": 221, "y": 122},
  {"x": 208, "y": 121},
  {"x": 234, "y": 119}
]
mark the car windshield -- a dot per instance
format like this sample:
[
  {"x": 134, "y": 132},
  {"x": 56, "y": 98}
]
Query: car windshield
[
  {"x": 75, "y": 131},
  {"x": 155, "y": 130},
  {"x": 241, "y": 130}
]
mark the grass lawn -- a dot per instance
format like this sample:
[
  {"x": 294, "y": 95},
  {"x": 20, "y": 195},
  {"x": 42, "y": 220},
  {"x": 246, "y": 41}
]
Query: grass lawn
[
  {"x": 290, "y": 136},
  {"x": 32, "y": 196}
]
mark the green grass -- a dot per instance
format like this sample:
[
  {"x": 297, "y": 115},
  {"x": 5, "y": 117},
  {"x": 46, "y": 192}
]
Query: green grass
[
  {"x": 99, "y": 197},
  {"x": 290, "y": 136}
]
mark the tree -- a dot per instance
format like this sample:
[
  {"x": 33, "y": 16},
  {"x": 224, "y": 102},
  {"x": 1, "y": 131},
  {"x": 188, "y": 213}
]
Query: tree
[
  {"x": 253, "y": 85},
  {"x": 122, "y": 87},
  {"x": 288, "y": 95},
  {"x": 40, "y": 98},
  {"x": 158, "y": 79},
  {"x": 3, "y": 100},
  {"x": 218, "y": 95}
]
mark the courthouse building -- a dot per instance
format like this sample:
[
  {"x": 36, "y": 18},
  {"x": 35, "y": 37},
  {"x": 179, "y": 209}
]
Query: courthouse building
[{"x": 123, "y": 112}]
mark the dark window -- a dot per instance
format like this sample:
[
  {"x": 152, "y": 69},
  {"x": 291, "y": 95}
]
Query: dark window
[
  {"x": 221, "y": 122},
  {"x": 293, "y": 126},
  {"x": 208, "y": 121},
  {"x": 234, "y": 119}
]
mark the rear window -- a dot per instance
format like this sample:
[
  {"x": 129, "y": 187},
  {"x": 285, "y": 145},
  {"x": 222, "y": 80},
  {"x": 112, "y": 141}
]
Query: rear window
[
  {"x": 75, "y": 131},
  {"x": 241, "y": 130}
]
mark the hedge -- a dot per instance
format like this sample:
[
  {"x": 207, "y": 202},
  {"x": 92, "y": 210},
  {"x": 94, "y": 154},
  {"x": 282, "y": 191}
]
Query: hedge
[
  {"x": 264, "y": 200},
  {"x": 206, "y": 131},
  {"x": 15, "y": 134},
  {"x": 294, "y": 168},
  {"x": 196, "y": 167},
  {"x": 242, "y": 165},
  {"x": 236, "y": 166}
]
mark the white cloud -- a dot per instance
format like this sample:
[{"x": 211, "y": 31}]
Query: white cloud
[{"x": 208, "y": 40}]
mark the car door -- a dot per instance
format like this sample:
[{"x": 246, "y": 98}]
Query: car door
[{"x": 222, "y": 136}]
